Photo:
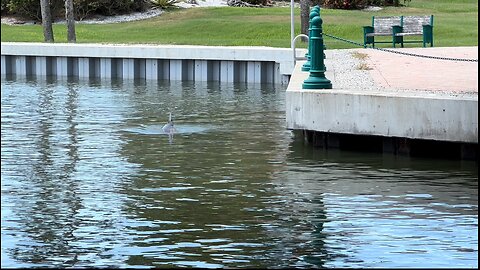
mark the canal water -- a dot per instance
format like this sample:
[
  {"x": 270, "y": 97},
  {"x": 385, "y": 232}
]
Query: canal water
[{"x": 89, "y": 179}]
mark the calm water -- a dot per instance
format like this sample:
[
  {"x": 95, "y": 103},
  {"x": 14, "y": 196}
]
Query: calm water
[{"x": 89, "y": 179}]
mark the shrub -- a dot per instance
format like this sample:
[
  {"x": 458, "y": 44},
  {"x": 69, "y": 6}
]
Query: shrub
[
  {"x": 164, "y": 4},
  {"x": 359, "y": 4},
  {"x": 258, "y": 2}
]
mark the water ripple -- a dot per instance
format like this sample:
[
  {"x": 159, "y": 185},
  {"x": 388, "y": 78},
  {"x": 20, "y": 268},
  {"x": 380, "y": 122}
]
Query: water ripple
[{"x": 89, "y": 180}]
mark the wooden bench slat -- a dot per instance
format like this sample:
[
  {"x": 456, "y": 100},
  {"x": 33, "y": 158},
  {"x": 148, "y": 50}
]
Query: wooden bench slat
[
  {"x": 414, "y": 24},
  {"x": 408, "y": 34},
  {"x": 383, "y": 25}
]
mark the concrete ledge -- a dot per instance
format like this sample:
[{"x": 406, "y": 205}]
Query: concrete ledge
[
  {"x": 381, "y": 112},
  {"x": 281, "y": 58}
]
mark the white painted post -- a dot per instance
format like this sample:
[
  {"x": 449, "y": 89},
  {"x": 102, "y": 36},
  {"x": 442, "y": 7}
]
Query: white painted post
[
  {"x": 41, "y": 66},
  {"x": 62, "y": 67},
  {"x": 292, "y": 22},
  {"x": 254, "y": 74},
  {"x": 151, "y": 69},
  {"x": 201, "y": 70},
  {"x": 226, "y": 71},
  {"x": 3, "y": 66},
  {"x": 83, "y": 67},
  {"x": 20, "y": 65},
  {"x": 128, "y": 68},
  {"x": 176, "y": 69},
  {"x": 106, "y": 68}
]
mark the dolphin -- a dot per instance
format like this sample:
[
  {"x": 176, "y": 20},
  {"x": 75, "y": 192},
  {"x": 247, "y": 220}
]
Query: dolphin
[{"x": 169, "y": 127}]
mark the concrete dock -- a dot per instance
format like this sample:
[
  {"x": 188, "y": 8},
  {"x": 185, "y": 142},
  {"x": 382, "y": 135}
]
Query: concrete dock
[{"x": 399, "y": 99}]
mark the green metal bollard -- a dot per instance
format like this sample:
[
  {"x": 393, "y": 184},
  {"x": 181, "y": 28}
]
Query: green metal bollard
[
  {"x": 317, "y": 79},
  {"x": 313, "y": 13}
]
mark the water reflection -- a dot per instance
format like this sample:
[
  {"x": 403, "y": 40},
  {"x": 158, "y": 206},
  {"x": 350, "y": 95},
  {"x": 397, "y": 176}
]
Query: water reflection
[
  {"x": 90, "y": 179},
  {"x": 46, "y": 195},
  {"x": 387, "y": 211},
  {"x": 44, "y": 183}
]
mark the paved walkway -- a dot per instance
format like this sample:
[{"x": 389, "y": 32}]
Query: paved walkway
[{"x": 398, "y": 71}]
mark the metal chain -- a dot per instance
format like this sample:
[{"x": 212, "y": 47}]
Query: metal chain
[{"x": 404, "y": 53}]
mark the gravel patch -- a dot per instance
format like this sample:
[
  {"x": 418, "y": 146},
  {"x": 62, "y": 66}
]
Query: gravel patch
[
  {"x": 136, "y": 16},
  {"x": 349, "y": 71}
]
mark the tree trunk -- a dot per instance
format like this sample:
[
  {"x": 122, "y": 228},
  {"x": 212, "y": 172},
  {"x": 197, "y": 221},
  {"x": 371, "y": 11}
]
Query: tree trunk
[
  {"x": 304, "y": 17},
  {"x": 46, "y": 20},
  {"x": 71, "y": 36}
]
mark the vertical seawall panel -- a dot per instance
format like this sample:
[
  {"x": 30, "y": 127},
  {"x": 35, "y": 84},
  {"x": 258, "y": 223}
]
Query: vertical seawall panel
[
  {"x": 105, "y": 68},
  {"x": 62, "y": 67},
  {"x": 176, "y": 70},
  {"x": 201, "y": 70},
  {"x": 226, "y": 71},
  {"x": 128, "y": 68},
  {"x": 151, "y": 69},
  {"x": 41, "y": 66},
  {"x": 20, "y": 65},
  {"x": 188, "y": 68},
  {"x": 84, "y": 67}
]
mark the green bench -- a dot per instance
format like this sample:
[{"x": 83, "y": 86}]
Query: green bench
[{"x": 399, "y": 27}]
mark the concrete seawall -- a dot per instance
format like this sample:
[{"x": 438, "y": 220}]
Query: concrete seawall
[
  {"x": 383, "y": 108},
  {"x": 152, "y": 62}
]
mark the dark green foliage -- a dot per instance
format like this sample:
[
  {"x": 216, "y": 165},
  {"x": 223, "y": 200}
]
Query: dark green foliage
[
  {"x": 3, "y": 6},
  {"x": 30, "y": 8},
  {"x": 83, "y": 8},
  {"x": 24, "y": 8},
  {"x": 359, "y": 4},
  {"x": 258, "y": 2}
]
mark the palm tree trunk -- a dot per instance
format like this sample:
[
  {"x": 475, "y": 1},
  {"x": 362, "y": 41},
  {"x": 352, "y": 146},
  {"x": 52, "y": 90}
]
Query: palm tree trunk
[
  {"x": 304, "y": 17},
  {"x": 71, "y": 36},
  {"x": 46, "y": 21}
]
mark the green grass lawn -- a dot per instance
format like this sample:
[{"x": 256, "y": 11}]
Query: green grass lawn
[{"x": 455, "y": 24}]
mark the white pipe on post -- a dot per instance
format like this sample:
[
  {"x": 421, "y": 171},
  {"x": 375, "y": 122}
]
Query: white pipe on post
[{"x": 292, "y": 24}]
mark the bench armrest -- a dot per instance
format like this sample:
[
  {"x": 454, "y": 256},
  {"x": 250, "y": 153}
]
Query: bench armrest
[
  {"x": 367, "y": 30},
  {"x": 427, "y": 27},
  {"x": 428, "y": 34},
  {"x": 367, "y": 40},
  {"x": 397, "y": 39},
  {"x": 397, "y": 29}
]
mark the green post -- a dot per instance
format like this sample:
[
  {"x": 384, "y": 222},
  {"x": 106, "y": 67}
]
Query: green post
[
  {"x": 317, "y": 79},
  {"x": 313, "y": 13}
]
